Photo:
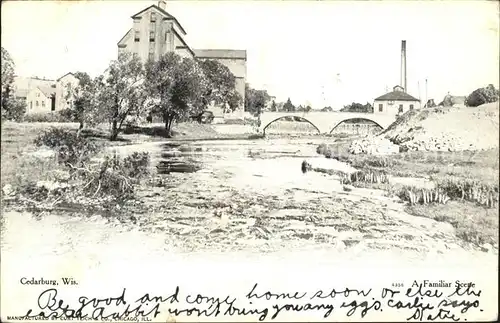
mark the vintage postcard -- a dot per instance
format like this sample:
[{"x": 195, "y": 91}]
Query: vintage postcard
[{"x": 249, "y": 161}]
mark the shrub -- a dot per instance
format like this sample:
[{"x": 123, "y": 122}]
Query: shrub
[
  {"x": 137, "y": 165},
  {"x": 69, "y": 146},
  {"x": 35, "y": 192},
  {"x": 470, "y": 190},
  {"x": 482, "y": 95},
  {"x": 322, "y": 148},
  {"x": 47, "y": 117},
  {"x": 100, "y": 185},
  {"x": 114, "y": 177},
  {"x": 14, "y": 109},
  {"x": 68, "y": 114},
  {"x": 375, "y": 161},
  {"x": 365, "y": 176},
  {"x": 452, "y": 189},
  {"x": 234, "y": 121}
]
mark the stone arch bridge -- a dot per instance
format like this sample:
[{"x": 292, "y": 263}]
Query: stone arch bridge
[{"x": 325, "y": 122}]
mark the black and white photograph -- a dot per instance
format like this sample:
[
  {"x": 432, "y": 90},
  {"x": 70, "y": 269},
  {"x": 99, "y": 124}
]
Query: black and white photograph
[{"x": 249, "y": 161}]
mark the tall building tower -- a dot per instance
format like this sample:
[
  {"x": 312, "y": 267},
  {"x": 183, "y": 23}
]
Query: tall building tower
[{"x": 155, "y": 32}]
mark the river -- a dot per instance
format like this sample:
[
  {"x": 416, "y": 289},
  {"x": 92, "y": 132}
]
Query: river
[
  {"x": 251, "y": 196},
  {"x": 248, "y": 212}
]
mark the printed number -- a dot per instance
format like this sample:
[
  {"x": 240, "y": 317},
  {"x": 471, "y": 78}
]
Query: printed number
[{"x": 397, "y": 284}]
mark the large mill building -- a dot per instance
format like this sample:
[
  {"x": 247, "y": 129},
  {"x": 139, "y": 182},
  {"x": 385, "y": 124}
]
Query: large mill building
[{"x": 155, "y": 32}]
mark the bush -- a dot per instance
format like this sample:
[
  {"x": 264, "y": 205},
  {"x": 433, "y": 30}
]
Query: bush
[
  {"x": 114, "y": 177},
  {"x": 68, "y": 114},
  {"x": 97, "y": 185},
  {"x": 14, "y": 110},
  {"x": 322, "y": 148},
  {"x": 53, "y": 116},
  {"x": 481, "y": 96},
  {"x": 235, "y": 121},
  {"x": 137, "y": 165},
  {"x": 69, "y": 147}
]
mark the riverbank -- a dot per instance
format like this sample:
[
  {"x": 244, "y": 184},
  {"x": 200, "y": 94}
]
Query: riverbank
[
  {"x": 442, "y": 146},
  {"x": 211, "y": 203},
  {"x": 17, "y": 138},
  {"x": 249, "y": 213},
  {"x": 473, "y": 222}
]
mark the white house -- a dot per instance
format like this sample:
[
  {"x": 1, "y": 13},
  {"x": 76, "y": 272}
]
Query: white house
[
  {"x": 42, "y": 95},
  {"x": 396, "y": 102},
  {"x": 24, "y": 85},
  {"x": 41, "y": 100}
]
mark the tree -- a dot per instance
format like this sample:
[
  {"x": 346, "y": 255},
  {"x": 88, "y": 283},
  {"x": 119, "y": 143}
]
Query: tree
[
  {"x": 81, "y": 101},
  {"x": 12, "y": 107},
  {"x": 482, "y": 95},
  {"x": 430, "y": 104},
  {"x": 176, "y": 88},
  {"x": 121, "y": 92},
  {"x": 358, "y": 107},
  {"x": 288, "y": 106},
  {"x": 221, "y": 89},
  {"x": 327, "y": 109},
  {"x": 255, "y": 100},
  {"x": 234, "y": 100},
  {"x": 274, "y": 106}
]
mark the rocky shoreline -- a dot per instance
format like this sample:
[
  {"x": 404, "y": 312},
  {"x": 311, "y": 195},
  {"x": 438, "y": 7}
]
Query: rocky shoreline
[{"x": 436, "y": 129}]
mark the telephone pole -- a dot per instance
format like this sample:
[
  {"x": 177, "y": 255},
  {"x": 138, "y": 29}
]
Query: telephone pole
[{"x": 426, "y": 98}]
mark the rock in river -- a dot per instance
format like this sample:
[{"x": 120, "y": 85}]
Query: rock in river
[{"x": 166, "y": 167}]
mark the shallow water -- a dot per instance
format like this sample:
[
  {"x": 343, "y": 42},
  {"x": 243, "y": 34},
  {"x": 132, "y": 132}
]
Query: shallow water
[
  {"x": 250, "y": 195},
  {"x": 248, "y": 214}
]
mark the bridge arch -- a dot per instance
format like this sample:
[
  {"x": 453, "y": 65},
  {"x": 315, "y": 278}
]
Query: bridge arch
[
  {"x": 365, "y": 119},
  {"x": 286, "y": 116}
]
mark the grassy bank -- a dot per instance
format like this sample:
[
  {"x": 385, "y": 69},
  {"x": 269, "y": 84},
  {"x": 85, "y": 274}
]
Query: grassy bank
[
  {"x": 466, "y": 185},
  {"x": 17, "y": 141}
]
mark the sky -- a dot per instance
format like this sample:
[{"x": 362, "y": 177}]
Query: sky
[{"x": 321, "y": 53}]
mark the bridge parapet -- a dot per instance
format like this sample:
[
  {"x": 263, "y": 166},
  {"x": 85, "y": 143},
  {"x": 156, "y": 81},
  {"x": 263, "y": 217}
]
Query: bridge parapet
[{"x": 325, "y": 122}]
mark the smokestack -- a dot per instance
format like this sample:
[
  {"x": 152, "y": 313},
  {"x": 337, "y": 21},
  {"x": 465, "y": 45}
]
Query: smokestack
[
  {"x": 162, "y": 4},
  {"x": 403, "y": 65}
]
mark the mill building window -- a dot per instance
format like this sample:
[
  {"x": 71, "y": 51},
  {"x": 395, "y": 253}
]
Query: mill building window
[
  {"x": 380, "y": 107},
  {"x": 400, "y": 109},
  {"x": 152, "y": 36},
  {"x": 137, "y": 36}
]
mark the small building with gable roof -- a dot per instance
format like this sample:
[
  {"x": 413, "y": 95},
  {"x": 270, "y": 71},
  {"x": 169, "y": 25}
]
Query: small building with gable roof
[
  {"x": 41, "y": 99},
  {"x": 396, "y": 102}
]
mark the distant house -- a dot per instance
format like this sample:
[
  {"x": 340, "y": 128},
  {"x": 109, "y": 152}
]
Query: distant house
[
  {"x": 24, "y": 85},
  {"x": 42, "y": 95},
  {"x": 62, "y": 85},
  {"x": 395, "y": 102},
  {"x": 41, "y": 100}
]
